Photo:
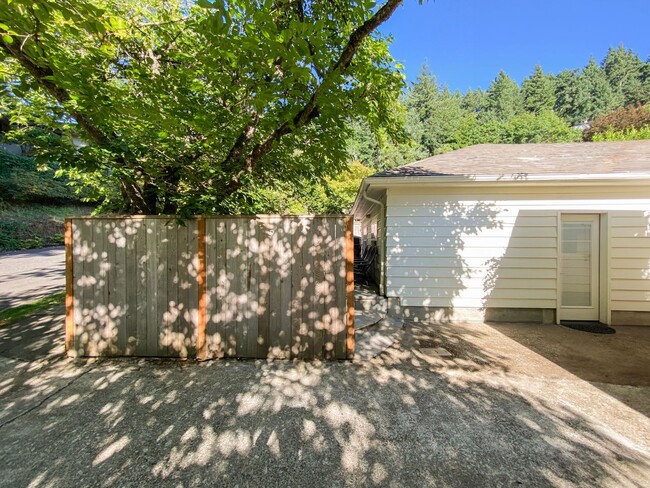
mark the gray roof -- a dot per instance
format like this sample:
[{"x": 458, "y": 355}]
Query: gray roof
[{"x": 573, "y": 158}]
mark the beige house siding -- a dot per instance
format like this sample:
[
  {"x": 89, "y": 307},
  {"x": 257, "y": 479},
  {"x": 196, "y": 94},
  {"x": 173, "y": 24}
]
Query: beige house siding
[
  {"x": 630, "y": 260},
  {"x": 496, "y": 246}
]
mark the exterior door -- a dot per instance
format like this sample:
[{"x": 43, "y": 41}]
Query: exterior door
[{"x": 579, "y": 267}]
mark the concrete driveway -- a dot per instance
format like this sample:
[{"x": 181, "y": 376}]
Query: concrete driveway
[
  {"x": 502, "y": 410},
  {"x": 29, "y": 275}
]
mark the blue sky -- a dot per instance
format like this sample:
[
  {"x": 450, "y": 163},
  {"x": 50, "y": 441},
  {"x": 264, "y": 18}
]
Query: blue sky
[{"x": 467, "y": 42}]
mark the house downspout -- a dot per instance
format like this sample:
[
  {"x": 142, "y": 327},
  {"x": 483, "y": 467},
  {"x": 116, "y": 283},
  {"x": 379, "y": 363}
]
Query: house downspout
[{"x": 382, "y": 246}]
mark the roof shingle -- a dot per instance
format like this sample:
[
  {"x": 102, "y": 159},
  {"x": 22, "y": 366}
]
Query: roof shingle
[{"x": 573, "y": 158}]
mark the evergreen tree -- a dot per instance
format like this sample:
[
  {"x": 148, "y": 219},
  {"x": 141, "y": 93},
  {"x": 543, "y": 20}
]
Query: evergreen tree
[
  {"x": 624, "y": 70},
  {"x": 571, "y": 97},
  {"x": 538, "y": 91},
  {"x": 599, "y": 96},
  {"x": 474, "y": 101},
  {"x": 504, "y": 97},
  {"x": 433, "y": 114}
]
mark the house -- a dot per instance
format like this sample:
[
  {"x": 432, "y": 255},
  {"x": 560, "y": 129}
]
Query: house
[{"x": 521, "y": 232}]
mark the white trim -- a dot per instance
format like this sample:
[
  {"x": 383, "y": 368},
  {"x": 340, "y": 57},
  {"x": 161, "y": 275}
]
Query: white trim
[
  {"x": 521, "y": 178},
  {"x": 481, "y": 181},
  {"x": 558, "y": 269},
  {"x": 604, "y": 312}
]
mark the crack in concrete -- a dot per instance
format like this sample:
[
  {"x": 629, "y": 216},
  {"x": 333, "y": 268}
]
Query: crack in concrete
[{"x": 48, "y": 397}]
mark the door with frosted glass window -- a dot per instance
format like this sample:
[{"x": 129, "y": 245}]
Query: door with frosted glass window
[{"x": 579, "y": 267}]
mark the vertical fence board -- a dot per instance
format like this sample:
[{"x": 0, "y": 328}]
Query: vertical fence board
[
  {"x": 100, "y": 299},
  {"x": 162, "y": 245},
  {"x": 201, "y": 275},
  {"x": 341, "y": 298},
  {"x": 131, "y": 285},
  {"x": 212, "y": 337},
  {"x": 286, "y": 297},
  {"x": 79, "y": 251},
  {"x": 141, "y": 289},
  {"x": 171, "y": 313},
  {"x": 223, "y": 285},
  {"x": 88, "y": 279},
  {"x": 309, "y": 252},
  {"x": 349, "y": 286},
  {"x": 151, "y": 339},
  {"x": 120, "y": 307},
  {"x": 297, "y": 272},
  {"x": 193, "y": 288},
  {"x": 321, "y": 288},
  {"x": 254, "y": 269},
  {"x": 183, "y": 329},
  {"x": 263, "y": 263}
]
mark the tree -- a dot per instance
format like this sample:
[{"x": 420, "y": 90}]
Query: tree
[
  {"x": 600, "y": 98},
  {"x": 504, "y": 97},
  {"x": 571, "y": 97},
  {"x": 624, "y": 71},
  {"x": 184, "y": 107},
  {"x": 546, "y": 126},
  {"x": 433, "y": 114},
  {"x": 474, "y": 101},
  {"x": 538, "y": 91}
]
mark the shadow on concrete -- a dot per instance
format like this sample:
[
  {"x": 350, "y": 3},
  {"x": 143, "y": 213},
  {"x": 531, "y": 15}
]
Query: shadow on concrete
[
  {"x": 404, "y": 419},
  {"x": 617, "y": 364},
  {"x": 26, "y": 276}
]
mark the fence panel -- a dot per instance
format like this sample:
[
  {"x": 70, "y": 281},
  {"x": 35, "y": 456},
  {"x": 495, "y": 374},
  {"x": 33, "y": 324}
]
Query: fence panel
[
  {"x": 134, "y": 288},
  {"x": 245, "y": 286}
]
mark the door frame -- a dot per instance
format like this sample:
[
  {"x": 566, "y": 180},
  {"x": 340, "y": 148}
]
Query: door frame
[{"x": 603, "y": 235}]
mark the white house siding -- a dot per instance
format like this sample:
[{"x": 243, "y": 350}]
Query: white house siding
[
  {"x": 630, "y": 261},
  {"x": 482, "y": 247}
]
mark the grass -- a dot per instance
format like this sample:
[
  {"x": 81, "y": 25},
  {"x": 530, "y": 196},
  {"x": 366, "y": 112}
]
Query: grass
[
  {"x": 12, "y": 314},
  {"x": 31, "y": 225}
]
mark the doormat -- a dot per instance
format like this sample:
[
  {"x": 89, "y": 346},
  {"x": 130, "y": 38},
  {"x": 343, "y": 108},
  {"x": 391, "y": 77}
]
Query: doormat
[{"x": 588, "y": 326}]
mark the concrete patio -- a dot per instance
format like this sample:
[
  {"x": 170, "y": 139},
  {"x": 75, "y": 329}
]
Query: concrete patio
[{"x": 511, "y": 405}]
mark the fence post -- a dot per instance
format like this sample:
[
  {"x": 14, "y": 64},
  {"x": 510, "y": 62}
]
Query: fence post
[
  {"x": 349, "y": 285},
  {"x": 201, "y": 352},
  {"x": 69, "y": 291}
]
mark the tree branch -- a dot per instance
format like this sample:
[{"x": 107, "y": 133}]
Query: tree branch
[
  {"x": 310, "y": 110},
  {"x": 42, "y": 74}
]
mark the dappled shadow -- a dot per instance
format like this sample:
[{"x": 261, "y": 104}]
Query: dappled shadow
[
  {"x": 276, "y": 287},
  {"x": 29, "y": 275},
  {"x": 34, "y": 338},
  {"x": 436, "y": 256},
  {"x": 520, "y": 279},
  {"x": 402, "y": 419}
]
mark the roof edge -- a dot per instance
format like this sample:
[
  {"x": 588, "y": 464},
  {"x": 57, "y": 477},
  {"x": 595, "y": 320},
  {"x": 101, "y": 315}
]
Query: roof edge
[{"x": 516, "y": 178}]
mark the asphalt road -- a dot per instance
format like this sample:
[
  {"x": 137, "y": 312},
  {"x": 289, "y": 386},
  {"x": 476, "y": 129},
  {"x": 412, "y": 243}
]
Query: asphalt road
[{"x": 29, "y": 275}]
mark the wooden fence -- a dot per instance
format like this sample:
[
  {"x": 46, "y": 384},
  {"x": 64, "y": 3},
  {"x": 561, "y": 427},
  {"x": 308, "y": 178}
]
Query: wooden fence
[{"x": 253, "y": 286}]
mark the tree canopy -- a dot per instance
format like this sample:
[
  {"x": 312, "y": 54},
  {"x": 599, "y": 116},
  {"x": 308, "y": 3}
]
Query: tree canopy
[
  {"x": 546, "y": 108},
  {"x": 185, "y": 106},
  {"x": 246, "y": 106}
]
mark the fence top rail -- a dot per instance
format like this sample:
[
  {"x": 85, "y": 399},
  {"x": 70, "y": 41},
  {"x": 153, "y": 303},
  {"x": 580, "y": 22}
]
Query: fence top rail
[{"x": 197, "y": 217}]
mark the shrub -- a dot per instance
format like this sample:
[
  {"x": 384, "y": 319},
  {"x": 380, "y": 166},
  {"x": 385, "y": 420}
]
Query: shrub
[
  {"x": 21, "y": 180},
  {"x": 635, "y": 117}
]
